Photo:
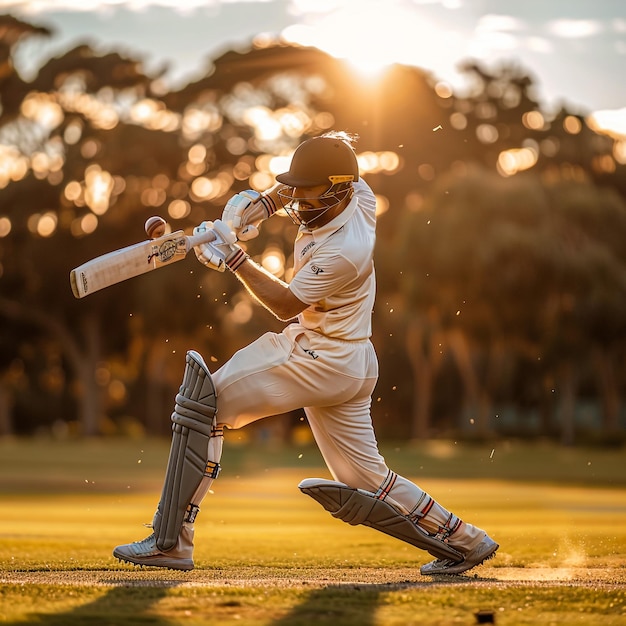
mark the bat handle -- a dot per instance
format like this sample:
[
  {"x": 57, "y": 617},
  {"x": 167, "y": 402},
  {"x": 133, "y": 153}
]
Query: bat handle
[{"x": 200, "y": 238}]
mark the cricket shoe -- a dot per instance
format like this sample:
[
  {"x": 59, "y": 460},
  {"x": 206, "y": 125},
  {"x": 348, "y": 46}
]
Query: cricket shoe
[
  {"x": 485, "y": 550},
  {"x": 145, "y": 552}
]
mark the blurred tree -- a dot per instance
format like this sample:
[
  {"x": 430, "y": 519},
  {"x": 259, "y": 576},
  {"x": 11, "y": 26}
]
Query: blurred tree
[
  {"x": 92, "y": 146},
  {"x": 514, "y": 269},
  {"x": 65, "y": 163},
  {"x": 12, "y": 87}
]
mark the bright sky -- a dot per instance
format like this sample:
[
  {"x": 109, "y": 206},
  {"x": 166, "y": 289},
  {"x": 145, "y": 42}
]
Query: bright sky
[{"x": 574, "y": 50}]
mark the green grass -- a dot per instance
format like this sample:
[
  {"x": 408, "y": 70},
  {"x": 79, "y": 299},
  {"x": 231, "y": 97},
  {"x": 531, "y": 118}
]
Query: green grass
[{"x": 267, "y": 555}]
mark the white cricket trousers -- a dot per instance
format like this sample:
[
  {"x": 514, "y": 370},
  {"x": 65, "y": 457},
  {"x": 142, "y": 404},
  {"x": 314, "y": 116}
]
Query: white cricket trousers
[{"x": 333, "y": 381}]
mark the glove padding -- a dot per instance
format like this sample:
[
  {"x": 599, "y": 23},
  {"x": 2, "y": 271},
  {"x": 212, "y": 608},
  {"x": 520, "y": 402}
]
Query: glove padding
[
  {"x": 245, "y": 211},
  {"x": 223, "y": 251}
]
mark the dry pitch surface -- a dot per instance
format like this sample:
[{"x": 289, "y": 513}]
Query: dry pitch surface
[
  {"x": 266, "y": 554},
  {"x": 485, "y": 576}
]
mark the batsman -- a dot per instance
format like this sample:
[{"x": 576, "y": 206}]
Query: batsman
[{"x": 323, "y": 362}]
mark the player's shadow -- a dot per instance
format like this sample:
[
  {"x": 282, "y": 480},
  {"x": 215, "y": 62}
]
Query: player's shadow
[
  {"x": 124, "y": 604},
  {"x": 356, "y": 603},
  {"x": 133, "y": 603},
  {"x": 337, "y": 605}
]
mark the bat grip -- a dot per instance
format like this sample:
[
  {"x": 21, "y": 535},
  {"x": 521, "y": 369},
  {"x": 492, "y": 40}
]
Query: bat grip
[{"x": 200, "y": 238}]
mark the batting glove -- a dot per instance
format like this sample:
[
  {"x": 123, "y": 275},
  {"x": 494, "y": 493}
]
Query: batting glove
[
  {"x": 221, "y": 253},
  {"x": 245, "y": 211}
]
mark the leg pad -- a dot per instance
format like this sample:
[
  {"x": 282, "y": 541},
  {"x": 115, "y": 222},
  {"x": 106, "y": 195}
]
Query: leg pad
[
  {"x": 193, "y": 425},
  {"x": 357, "y": 506}
]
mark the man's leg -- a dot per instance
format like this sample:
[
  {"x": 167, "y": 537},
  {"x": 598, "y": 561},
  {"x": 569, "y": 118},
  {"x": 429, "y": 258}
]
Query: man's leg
[
  {"x": 274, "y": 375},
  {"x": 193, "y": 464},
  {"x": 347, "y": 442},
  {"x": 259, "y": 380}
]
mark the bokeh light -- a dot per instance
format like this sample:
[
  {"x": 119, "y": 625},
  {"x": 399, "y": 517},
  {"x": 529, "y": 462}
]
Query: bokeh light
[
  {"x": 98, "y": 188},
  {"x": 273, "y": 260},
  {"x": 516, "y": 160},
  {"x": 5, "y": 226}
]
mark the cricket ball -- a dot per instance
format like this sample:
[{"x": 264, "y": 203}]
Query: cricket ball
[{"x": 155, "y": 227}]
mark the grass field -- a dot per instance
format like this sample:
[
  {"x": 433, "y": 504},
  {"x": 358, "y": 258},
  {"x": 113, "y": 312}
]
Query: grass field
[{"x": 267, "y": 555}]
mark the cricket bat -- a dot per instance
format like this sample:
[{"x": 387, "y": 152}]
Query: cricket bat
[{"x": 140, "y": 258}]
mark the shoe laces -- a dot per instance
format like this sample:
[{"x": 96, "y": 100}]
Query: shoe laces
[
  {"x": 147, "y": 541},
  {"x": 444, "y": 562}
]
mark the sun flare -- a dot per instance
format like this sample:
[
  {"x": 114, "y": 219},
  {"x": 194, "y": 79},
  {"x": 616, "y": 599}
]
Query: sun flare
[{"x": 369, "y": 35}]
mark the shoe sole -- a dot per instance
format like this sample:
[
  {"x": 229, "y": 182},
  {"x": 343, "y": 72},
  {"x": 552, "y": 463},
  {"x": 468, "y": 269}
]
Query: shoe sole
[
  {"x": 447, "y": 572},
  {"x": 164, "y": 563}
]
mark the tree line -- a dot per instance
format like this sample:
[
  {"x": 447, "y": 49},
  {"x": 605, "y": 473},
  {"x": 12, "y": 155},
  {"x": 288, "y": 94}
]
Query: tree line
[{"x": 501, "y": 272}]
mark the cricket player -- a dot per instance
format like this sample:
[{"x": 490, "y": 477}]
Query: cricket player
[{"x": 323, "y": 361}]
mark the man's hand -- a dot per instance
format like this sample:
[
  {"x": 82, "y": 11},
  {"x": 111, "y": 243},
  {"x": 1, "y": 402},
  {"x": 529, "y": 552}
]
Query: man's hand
[
  {"x": 223, "y": 251},
  {"x": 245, "y": 211}
]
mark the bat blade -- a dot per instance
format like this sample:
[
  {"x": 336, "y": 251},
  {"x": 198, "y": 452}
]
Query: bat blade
[{"x": 140, "y": 258}]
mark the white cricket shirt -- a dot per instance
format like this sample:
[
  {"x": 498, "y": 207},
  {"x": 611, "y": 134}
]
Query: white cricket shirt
[{"x": 334, "y": 270}]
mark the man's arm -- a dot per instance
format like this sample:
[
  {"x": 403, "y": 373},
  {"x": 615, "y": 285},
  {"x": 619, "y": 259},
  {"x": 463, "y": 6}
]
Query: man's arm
[
  {"x": 222, "y": 251},
  {"x": 271, "y": 292}
]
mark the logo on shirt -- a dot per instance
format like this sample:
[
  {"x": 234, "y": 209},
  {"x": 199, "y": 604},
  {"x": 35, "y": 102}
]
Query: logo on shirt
[
  {"x": 306, "y": 248},
  {"x": 316, "y": 269}
]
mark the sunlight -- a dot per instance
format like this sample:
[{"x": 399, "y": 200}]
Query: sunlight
[
  {"x": 261, "y": 118},
  {"x": 376, "y": 162},
  {"x": 47, "y": 224},
  {"x": 242, "y": 312},
  {"x": 13, "y": 165},
  {"x": 42, "y": 109},
  {"x": 516, "y": 160},
  {"x": 274, "y": 260},
  {"x": 369, "y": 35},
  {"x": 204, "y": 188},
  {"x": 5, "y": 226},
  {"x": 43, "y": 225},
  {"x": 619, "y": 152},
  {"x": 179, "y": 209},
  {"x": 198, "y": 119},
  {"x": 611, "y": 122},
  {"x": 574, "y": 29},
  {"x": 98, "y": 187}
]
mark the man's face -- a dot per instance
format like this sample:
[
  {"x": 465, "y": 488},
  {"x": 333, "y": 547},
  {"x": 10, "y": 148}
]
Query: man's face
[{"x": 308, "y": 207}]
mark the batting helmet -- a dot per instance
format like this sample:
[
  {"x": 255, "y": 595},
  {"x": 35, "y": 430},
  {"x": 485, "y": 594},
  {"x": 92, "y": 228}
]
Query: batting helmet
[{"x": 324, "y": 160}]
